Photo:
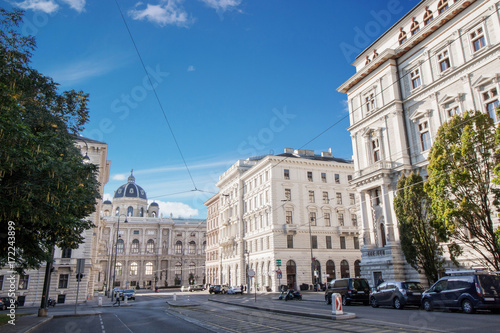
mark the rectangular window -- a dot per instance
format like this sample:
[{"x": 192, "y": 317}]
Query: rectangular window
[
  {"x": 323, "y": 177},
  {"x": 442, "y": 6},
  {"x": 453, "y": 111},
  {"x": 312, "y": 218},
  {"x": 327, "y": 219},
  {"x": 63, "y": 281},
  {"x": 477, "y": 39},
  {"x": 443, "y": 61},
  {"x": 341, "y": 219},
  {"x": 309, "y": 176},
  {"x": 289, "y": 241},
  {"x": 354, "y": 220},
  {"x": 314, "y": 240},
  {"x": 328, "y": 242},
  {"x": 415, "y": 79},
  {"x": 136, "y": 232},
  {"x": 339, "y": 198},
  {"x": 490, "y": 100},
  {"x": 288, "y": 194},
  {"x": 23, "y": 282},
  {"x": 370, "y": 102},
  {"x": 66, "y": 253},
  {"x": 352, "y": 199},
  {"x": 1, "y": 282},
  {"x": 311, "y": 196},
  {"x": 288, "y": 217},
  {"x": 349, "y": 178},
  {"x": 337, "y": 178},
  {"x": 376, "y": 150},
  {"x": 342, "y": 242},
  {"x": 325, "y": 198},
  {"x": 286, "y": 174},
  {"x": 425, "y": 136},
  {"x": 356, "y": 242}
]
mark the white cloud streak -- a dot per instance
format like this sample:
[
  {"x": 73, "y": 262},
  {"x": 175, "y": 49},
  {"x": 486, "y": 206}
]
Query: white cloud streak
[
  {"x": 222, "y": 5},
  {"x": 167, "y": 12},
  {"x": 49, "y": 6},
  {"x": 191, "y": 68}
]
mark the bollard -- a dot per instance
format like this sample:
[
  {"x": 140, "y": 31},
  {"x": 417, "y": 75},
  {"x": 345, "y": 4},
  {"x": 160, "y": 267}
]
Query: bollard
[
  {"x": 337, "y": 304},
  {"x": 175, "y": 297},
  {"x": 99, "y": 301},
  {"x": 126, "y": 299}
]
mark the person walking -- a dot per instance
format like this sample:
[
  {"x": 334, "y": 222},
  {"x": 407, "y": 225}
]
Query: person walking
[{"x": 117, "y": 301}]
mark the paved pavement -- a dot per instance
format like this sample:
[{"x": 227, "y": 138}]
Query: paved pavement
[{"x": 25, "y": 324}]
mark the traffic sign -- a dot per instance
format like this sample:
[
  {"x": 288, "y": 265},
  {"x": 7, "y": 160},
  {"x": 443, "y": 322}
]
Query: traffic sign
[
  {"x": 251, "y": 273},
  {"x": 279, "y": 275},
  {"x": 278, "y": 262}
]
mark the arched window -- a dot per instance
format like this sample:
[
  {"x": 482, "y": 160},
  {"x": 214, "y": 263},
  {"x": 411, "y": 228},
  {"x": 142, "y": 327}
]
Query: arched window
[
  {"x": 153, "y": 214},
  {"x": 382, "y": 234},
  {"x": 117, "y": 211},
  {"x": 192, "y": 247},
  {"x": 150, "y": 246},
  {"x": 205, "y": 246},
  {"x": 119, "y": 246},
  {"x": 344, "y": 269},
  {"x": 330, "y": 270},
  {"x": 141, "y": 212},
  {"x": 178, "y": 247},
  {"x": 133, "y": 268},
  {"x": 192, "y": 267},
  {"x": 149, "y": 268},
  {"x": 119, "y": 268},
  {"x": 357, "y": 268},
  {"x": 135, "y": 246},
  {"x": 130, "y": 211}
]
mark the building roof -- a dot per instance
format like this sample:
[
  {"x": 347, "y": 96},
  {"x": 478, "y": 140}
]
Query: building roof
[{"x": 130, "y": 190}]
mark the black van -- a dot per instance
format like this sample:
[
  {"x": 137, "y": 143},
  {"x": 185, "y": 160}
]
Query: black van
[
  {"x": 351, "y": 289},
  {"x": 467, "y": 292}
]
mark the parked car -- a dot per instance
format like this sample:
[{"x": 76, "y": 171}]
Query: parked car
[
  {"x": 397, "y": 294},
  {"x": 352, "y": 290},
  {"x": 196, "y": 287},
  {"x": 184, "y": 288},
  {"x": 218, "y": 289},
  {"x": 234, "y": 290},
  {"x": 467, "y": 291},
  {"x": 5, "y": 303},
  {"x": 129, "y": 293}
]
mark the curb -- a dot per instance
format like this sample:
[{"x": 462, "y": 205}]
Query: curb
[{"x": 32, "y": 328}]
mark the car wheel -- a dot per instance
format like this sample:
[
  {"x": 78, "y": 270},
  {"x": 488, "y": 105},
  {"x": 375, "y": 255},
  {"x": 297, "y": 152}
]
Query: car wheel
[
  {"x": 427, "y": 305},
  {"x": 374, "y": 303},
  {"x": 467, "y": 306},
  {"x": 397, "y": 303}
]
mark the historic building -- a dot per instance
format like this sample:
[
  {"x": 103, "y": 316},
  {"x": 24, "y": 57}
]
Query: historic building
[
  {"x": 63, "y": 283},
  {"x": 440, "y": 59},
  {"x": 140, "y": 248},
  {"x": 294, "y": 212}
]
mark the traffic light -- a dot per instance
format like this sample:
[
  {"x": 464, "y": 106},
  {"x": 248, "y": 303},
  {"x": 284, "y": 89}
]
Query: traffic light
[{"x": 79, "y": 277}]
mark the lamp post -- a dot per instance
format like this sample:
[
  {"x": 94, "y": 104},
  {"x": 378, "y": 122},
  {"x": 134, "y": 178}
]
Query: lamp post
[
  {"x": 247, "y": 266},
  {"x": 116, "y": 254},
  {"x": 312, "y": 258},
  {"x": 86, "y": 158}
]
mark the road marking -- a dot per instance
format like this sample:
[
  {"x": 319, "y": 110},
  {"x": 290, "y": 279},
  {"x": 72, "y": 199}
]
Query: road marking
[{"x": 123, "y": 324}]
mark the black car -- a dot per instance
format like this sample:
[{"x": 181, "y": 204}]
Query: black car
[
  {"x": 6, "y": 302},
  {"x": 218, "y": 289},
  {"x": 397, "y": 294},
  {"x": 467, "y": 292},
  {"x": 351, "y": 289}
]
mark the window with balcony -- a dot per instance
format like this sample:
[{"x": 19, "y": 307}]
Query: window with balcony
[
  {"x": 286, "y": 174},
  {"x": 135, "y": 246},
  {"x": 150, "y": 246},
  {"x": 425, "y": 136},
  {"x": 443, "y": 61},
  {"x": 178, "y": 247},
  {"x": 119, "y": 246},
  {"x": 311, "y": 196},
  {"x": 192, "y": 247}
]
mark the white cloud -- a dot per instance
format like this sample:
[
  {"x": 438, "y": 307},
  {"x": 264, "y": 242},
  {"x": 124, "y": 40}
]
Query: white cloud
[
  {"x": 107, "y": 196},
  {"x": 222, "y": 5},
  {"x": 191, "y": 68},
  {"x": 49, "y": 6},
  {"x": 177, "y": 209},
  {"x": 167, "y": 12},
  {"x": 119, "y": 176},
  {"x": 345, "y": 105},
  {"x": 78, "y": 5}
]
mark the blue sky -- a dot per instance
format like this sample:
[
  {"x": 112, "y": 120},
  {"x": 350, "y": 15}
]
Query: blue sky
[{"x": 235, "y": 78}]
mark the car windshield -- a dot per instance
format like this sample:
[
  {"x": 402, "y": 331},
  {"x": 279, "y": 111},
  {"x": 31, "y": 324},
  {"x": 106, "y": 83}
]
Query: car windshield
[
  {"x": 412, "y": 286},
  {"x": 490, "y": 284},
  {"x": 129, "y": 291},
  {"x": 360, "y": 284}
]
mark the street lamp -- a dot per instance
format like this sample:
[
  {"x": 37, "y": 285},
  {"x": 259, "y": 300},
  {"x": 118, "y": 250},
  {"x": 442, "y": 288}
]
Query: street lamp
[
  {"x": 116, "y": 254},
  {"x": 312, "y": 258},
  {"x": 247, "y": 266},
  {"x": 86, "y": 158}
]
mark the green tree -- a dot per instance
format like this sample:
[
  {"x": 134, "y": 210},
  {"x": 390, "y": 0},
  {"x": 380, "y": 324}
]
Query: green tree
[
  {"x": 46, "y": 191},
  {"x": 418, "y": 235},
  {"x": 464, "y": 198}
]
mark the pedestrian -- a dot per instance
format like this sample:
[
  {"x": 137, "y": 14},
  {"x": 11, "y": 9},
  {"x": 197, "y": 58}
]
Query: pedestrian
[
  {"x": 380, "y": 280},
  {"x": 117, "y": 301},
  {"x": 241, "y": 288}
]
